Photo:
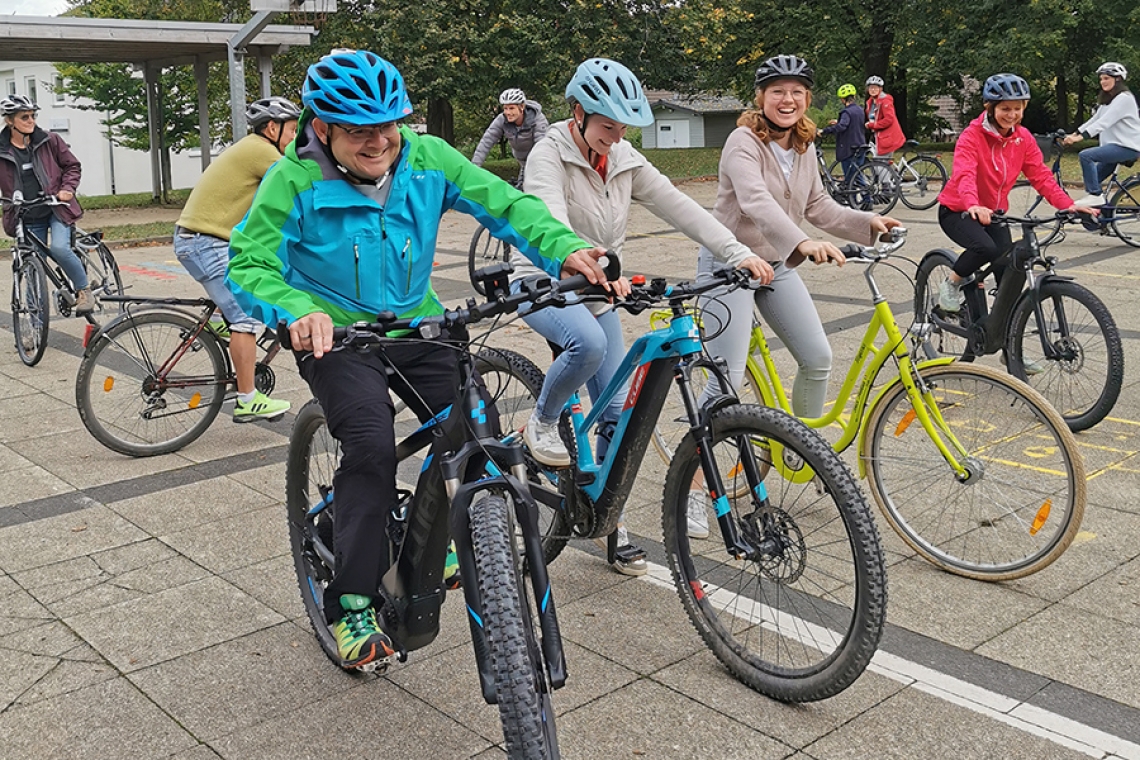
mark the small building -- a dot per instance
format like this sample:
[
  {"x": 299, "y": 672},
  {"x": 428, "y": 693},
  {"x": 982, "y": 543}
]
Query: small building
[{"x": 699, "y": 120}]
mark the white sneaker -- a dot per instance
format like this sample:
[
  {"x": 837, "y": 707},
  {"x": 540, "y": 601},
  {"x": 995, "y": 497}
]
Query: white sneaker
[
  {"x": 1090, "y": 200},
  {"x": 1032, "y": 367},
  {"x": 949, "y": 296},
  {"x": 545, "y": 443},
  {"x": 698, "y": 516}
]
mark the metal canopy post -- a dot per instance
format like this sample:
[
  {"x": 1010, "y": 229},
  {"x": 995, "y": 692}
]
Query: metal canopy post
[
  {"x": 235, "y": 52},
  {"x": 265, "y": 68},
  {"x": 154, "y": 117},
  {"x": 201, "y": 72}
]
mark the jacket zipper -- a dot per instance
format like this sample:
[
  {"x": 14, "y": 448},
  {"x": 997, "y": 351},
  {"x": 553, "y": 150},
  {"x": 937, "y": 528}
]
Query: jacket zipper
[
  {"x": 356, "y": 254},
  {"x": 408, "y": 258}
]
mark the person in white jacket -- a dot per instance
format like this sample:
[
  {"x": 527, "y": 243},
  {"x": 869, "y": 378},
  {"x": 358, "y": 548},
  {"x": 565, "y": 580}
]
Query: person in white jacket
[
  {"x": 1117, "y": 122},
  {"x": 589, "y": 176}
]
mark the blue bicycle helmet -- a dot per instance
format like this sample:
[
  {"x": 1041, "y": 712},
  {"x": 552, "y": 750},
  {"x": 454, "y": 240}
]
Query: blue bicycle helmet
[
  {"x": 1005, "y": 87},
  {"x": 355, "y": 87},
  {"x": 607, "y": 88}
]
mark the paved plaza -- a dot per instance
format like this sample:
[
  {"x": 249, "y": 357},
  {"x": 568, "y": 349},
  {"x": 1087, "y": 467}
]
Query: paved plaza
[{"x": 149, "y": 608}]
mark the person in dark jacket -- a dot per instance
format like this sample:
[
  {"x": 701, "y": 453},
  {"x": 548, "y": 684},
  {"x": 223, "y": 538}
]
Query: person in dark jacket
[
  {"x": 848, "y": 131},
  {"x": 38, "y": 163},
  {"x": 521, "y": 122}
]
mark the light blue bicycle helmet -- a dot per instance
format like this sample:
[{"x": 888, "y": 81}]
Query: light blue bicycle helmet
[
  {"x": 607, "y": 88},
  {"x": 1005, "y": 87},
  {"x": 355, "y": 87}
]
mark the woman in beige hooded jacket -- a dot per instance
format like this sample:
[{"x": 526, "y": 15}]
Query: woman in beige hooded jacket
[{"x": 589, "y": 176}]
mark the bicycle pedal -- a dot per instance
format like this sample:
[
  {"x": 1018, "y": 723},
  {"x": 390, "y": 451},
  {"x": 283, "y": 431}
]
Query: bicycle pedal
[{"x": 377, "y": 667}]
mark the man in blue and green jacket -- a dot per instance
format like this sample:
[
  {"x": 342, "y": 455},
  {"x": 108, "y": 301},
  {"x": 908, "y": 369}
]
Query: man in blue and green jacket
[{"x": 343, "y": 227}]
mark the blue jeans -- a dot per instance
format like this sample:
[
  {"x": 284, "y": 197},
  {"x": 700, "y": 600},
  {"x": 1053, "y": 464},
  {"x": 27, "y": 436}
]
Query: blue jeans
[
  {"x": 59, "y": 248},
  {"x": 593, "y": 348},
  {"x": 206, "y": 258},
  {"x": 1099, "y": 162}
]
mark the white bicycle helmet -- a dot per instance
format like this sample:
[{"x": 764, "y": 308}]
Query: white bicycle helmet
[
  {"x": 877, "y": 81},
  {"x": 271, "y": 109},
  {"x": 1113, "y": 69},
  {"x": 512, "y": 96},
  {"x": 14, "y": 104}
]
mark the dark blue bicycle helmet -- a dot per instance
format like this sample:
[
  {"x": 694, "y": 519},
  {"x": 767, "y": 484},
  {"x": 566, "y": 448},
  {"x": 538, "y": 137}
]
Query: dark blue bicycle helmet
[
  {"x": 355, "y": 87},
  {"x": 1005, "y": 87}
]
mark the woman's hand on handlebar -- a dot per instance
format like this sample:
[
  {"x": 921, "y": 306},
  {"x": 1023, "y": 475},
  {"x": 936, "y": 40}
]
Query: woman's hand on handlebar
[
  {"x": 585, "y": 262},
  {"x": 759, "y": 269},
  {"x": 821, "y": 252},
  {"x": 312, "y": 332},
  {"x": 1073, "y": 138},
  {"x": 881, "y": 225},
  {"x": 981, "y": 213}
]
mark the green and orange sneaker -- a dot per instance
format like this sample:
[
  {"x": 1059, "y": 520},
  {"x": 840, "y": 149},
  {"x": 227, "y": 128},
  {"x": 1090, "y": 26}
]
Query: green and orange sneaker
[
  {"x": 451, "y": 579},
  {"x": 359, "y": 640}
]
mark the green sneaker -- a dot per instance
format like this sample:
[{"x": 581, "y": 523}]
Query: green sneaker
[
  {"x": 451, "y": 579},
  {"x": 261, "y": 408},
  {"x": 359, "y": 640},
  {"x": 218, "y": 327}
]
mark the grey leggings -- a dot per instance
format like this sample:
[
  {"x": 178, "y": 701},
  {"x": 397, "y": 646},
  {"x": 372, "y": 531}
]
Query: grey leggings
[{"x": 789, "y": 312}]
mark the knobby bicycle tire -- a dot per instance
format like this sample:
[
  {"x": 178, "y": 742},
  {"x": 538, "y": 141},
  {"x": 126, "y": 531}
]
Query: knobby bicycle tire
[
  {"x": 120, "y": 400},
  {"x": 1084, "y": 383},
  {"x": 311, "y": 463},
  {"x": 800, "y": 619},
  {"x": 1126, "y": 212},
  {"x": 921, "y": 182},
  {"x": 485, "y": 250},
  {"x": 31, "y": 310},
  {"x": 1022, "y": 505},
  {"x": 521, "y": 691}
]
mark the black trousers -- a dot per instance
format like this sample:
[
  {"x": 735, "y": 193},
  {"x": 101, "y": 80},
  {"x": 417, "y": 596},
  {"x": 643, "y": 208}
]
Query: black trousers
[
  {"x": 352, "y": 389},
  {"x": 984, "y": 243}
]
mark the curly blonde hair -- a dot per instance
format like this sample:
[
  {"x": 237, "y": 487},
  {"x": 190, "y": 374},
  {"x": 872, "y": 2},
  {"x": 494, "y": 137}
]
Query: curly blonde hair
[{"x": 803, "y": 133}]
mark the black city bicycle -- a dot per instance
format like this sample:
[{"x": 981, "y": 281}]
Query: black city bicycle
[
  {"x": 792, "y": 599},
  {"x": 153, "y": 379},
  {"x": 32, "y": 269},
  {"x": 1119, "y": 217},
  {"x": 875, "y": 185},
  {"x": 474, "y": 487},
  {"x": 1054, "y": 333}
]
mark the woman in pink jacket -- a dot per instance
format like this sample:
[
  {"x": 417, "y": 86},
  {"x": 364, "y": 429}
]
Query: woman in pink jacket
[
  {"x": 882, "y": 120},
  {"x": 990, "y": 155}
]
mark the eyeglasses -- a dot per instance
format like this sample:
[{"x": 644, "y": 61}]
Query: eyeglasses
[
  {"x": 778, "y": 93},
  {"x": 360, "y": 134},
  {"x": 25, "y": 117}
]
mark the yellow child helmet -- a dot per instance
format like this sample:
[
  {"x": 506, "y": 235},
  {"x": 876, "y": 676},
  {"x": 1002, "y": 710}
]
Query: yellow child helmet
[{"x": 848, "y": 91}]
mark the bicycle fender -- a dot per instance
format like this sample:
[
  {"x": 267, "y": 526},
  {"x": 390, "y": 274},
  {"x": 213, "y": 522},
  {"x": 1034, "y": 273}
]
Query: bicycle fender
[{"x": 942, "y": 361}]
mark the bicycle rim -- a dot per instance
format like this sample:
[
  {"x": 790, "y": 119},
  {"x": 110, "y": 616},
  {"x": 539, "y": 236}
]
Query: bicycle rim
[
  {"x": 921, "y": 182},
  {"x": 31, "y": 310},
  {"x": 1084, "y": 380},
  {"x": 1126, "y": 212},
  {"x": 1023, "y": 502},
  {"x": 484, "y": 251},
  {"x": 123, "y": 403},
  {"x": 800, "y": 619},
  {"x": 874, "y": 187}
]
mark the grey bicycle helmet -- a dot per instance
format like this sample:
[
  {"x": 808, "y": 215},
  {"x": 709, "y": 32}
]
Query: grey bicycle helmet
[
  {"x": 1113, "y": 69},
  {"x": 607, "y": 88},
  {"x": 14, "y": 104},
  {"x": 271, "y": 109},
  {"x": 512, "y": 96},
  {"x": 1005, "y": 87},
  {"x": 785, "y": 67},
  {"x": 877, "y": 81}
]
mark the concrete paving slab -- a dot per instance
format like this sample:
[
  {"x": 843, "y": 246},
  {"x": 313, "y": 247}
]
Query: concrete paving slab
[
  {"x": 47, "y": 661},
  {"x": 110, "y": 719},
  {"x": 179, "y": 621},
  {"x": 30, "y": 484},
  {"x": 83, "y": 462},
  {"x": 184, "y": 507},
  {"x": 266, "y": 479},
  {"x": 1115, "y": 595},
  {"x": 273, "y": 583},
  {"x": 233, "y": 542},
  {"x": 21, "y": 610},
  {"x": 68, "y": 536}
]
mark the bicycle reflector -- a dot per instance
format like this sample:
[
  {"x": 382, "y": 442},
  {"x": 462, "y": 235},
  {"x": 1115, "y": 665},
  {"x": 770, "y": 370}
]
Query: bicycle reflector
[
  {"x": 1042, "y": 516},
  {"x": 637, "y": 279}
]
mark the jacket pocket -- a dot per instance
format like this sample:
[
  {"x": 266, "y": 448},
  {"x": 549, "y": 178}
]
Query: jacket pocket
[{"x": 368, "y": 264}]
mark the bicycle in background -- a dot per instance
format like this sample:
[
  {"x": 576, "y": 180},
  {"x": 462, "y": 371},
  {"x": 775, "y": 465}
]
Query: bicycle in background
[
  {"x": 486, "y": 250},
  {"x": 32, "y": 269},
  {"x": 921, "y": 177}
]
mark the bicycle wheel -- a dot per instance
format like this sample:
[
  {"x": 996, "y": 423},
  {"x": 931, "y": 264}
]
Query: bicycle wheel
[
  {"x": 126, "y": 405},
  {"x": 835, "y": 187},
  {"x": 1024, "y": 200},
  {"x": 921, "y": 182},
  {"x": 521, "y": 688},
  {"x": 102, "y": 272},
  {"x": 31, "y": 309},
  {"x": 484, "y": 251},
  {"x": 800, "y": 618},
  {"x": 933, "y": 270},
  {"x": 1083, "y": 382},
  {"x": 874, "y": 187},
  {"x": 1126, "y": 212},
  {"x": 1023, "y": 500},
  {"x": 312, "y": 461}
]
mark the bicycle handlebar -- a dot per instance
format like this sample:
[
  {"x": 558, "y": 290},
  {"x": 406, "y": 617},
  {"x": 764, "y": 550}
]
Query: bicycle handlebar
[
  {"x": 1007, "y": 219},
  {"x": 881, "y": 249},
  {"x": 18, "y": 200}
]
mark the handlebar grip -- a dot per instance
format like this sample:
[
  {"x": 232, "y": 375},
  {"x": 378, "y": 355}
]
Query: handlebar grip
[
  {"x": 853, "y": 251},
  {"x": 283, "y": 336},
  {"x": 610, "y": 265}
]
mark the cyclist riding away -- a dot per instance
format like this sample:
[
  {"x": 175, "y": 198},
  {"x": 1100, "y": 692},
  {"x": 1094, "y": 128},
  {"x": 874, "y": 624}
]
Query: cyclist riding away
[
  {"x": 202, "y": 237},
  {"x": 848, "y": 131},
  {"x": 881, "y": 118},
  {"x": 589, "y": 176},
  {"x": 345, "y": 227},
  {"x": 990, "y": 155},
  {"x": 521, "y": 122},
  {"x": 1117, "y": 122},
  {"x": 37, "y": 162}
]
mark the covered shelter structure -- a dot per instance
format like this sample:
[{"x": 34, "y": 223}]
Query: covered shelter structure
[{"x": 153, "y": 46}]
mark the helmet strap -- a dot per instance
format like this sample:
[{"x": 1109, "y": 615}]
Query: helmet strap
[{"x": 774, "y": 129}]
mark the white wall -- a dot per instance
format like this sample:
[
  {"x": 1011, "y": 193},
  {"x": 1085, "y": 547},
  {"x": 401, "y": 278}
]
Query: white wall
[{"x": 88, "y": 138}]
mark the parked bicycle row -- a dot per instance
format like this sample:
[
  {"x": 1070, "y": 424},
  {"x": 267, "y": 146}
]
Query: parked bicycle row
[{"x": 770, "y": 542}]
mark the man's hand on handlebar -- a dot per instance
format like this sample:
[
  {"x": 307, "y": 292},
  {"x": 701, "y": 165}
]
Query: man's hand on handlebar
[
  {"x": 312, "y": 332},
  {"x": 585, "y": 262}
]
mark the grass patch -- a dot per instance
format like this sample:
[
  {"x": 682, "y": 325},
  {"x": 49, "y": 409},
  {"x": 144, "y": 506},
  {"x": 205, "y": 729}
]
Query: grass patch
[{"x": 133, "y": 200}]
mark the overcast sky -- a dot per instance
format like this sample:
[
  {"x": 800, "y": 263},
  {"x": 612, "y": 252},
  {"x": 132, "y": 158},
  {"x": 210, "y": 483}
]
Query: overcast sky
[{"x": 32, "y": 7}]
